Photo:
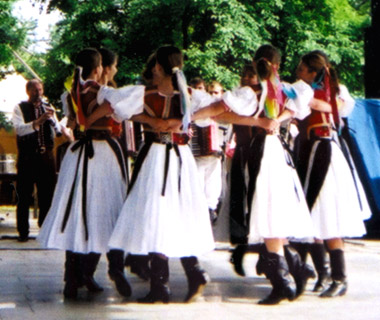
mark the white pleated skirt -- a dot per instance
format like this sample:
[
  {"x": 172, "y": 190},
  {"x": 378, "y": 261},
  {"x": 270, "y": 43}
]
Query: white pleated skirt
[
  {"x": 279, "y": 208},
  {"x": 106, "y": 192},
  {"x": 339, "y": 209},
  {"x": 176, "y": 224}
]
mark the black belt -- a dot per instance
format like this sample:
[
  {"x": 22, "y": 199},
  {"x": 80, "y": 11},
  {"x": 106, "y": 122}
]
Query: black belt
[
  {"x": 85, "y": 144},
  {"x": 142, "y": 155}
]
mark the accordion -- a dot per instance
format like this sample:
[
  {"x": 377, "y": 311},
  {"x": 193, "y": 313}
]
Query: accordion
[{"x": 204, "y": 141}]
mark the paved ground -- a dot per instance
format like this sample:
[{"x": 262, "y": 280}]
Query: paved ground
[{"x": 31, "y": 288}]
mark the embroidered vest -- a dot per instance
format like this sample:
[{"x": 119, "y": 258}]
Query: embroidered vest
[
  {"x": 319, "y": 122},
  {"x": 29, "y": 142},
  {"x": 160, "y": 106},
  {"x": 88, "y": 95}
]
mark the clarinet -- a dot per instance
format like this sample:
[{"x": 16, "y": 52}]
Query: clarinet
[{"x": 52, "y": 122}]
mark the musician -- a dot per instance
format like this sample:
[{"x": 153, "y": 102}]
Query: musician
[
  {"x": 206, "y": 147},
  {"x": 34, "y": 122}
]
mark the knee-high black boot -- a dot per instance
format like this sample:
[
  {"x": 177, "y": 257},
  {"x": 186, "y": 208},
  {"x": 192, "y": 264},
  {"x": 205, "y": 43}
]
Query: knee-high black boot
[
  {"x": 318, "y": 255},
  {"x": 139, "y": 264},
  {"x": 276, "y": 270},
  {"x": 302, "y": 248},
  {"x": 237, "y": 258},
  {"x": 261, "y": 264},
  {"x": 116, "y": 272},
  {"x": 89, "y": 263},
  {"x": 71, "y": 277},
  {"x": 338, "y": 286},
  {"x": 197, "y": 278},
  {"x": 300, "y": 271},
  {"x": 159, "y": 278}
]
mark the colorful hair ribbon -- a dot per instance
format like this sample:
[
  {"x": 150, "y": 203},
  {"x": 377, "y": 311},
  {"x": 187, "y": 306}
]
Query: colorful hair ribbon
[
  {"x": 318, "y": 81},
  {"x": 334, "y": 105},
  {"x": 273, "y": 95},
  {"x": 68, "y": 86},
  {"x": 289, "y": 91},
  {"x": 75, "y": 97},
  {"x": 325, "y": 90}
]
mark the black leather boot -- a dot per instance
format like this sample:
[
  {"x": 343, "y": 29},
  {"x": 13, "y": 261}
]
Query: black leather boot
[
  {"x": 338, "y": 286},
  {"x": 139, "y": 264},
  {"x": 261, "y": 262},
  {"x": 276, "y": 270},
  {"x": 302, "y": 248},
  {"x": 72, "y": 264},
  {"x": 197, "y": 278},
  {"x": 89, "y": 263},
  {"x": 237, "y": 258},
  {"x": 318, "y": 255},
  {"x": 116, "y": 272},
  {"x": 159, "y": 278},
  {"x": 300, "y": 271}
]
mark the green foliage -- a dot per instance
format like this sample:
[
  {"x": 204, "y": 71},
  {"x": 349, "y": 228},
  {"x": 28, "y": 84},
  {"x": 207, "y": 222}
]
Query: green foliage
[
  {"x": 217, "y": 36},
  {"x": 12, "y": 33},
  {"x": 362, "y": 6},
  {"x": 5, "y": 123}
]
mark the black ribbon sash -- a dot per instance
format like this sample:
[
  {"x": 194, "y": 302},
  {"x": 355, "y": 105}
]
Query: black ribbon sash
[
  {"x": 318, "y": 164},
  {"x": 141, "y": 157},
  {"x": 169, "y": 146},
  {"x": 346, "y": 153},
  {"x": 85, "y": 145},
  {"x": 288, "y": 153}
]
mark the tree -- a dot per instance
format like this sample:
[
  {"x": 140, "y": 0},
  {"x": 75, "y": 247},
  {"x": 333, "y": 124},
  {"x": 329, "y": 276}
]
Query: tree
[
  {"x": 299, "y": 26},
  {"x": 12, "y": 34},
  {"x": 362, "y": 6},
  {"x": 217, "y": 36}
]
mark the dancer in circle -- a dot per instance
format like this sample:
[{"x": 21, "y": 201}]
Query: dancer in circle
[
  {"x": 165, "y": 214},
  {"x": 333, "y": 190},
  {"x": 91, "y": 185},
  {"x": 278, "y": 209}
]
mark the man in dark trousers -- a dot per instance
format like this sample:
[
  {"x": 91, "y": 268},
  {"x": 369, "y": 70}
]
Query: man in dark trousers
[{"x": 34, "y": 123}]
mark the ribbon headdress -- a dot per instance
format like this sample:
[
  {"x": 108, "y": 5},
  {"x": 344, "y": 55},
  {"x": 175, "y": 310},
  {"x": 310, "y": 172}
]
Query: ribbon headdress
[
  {"x": 274, "y": 94},
  {"x": 272, "y": 97},
  {"x": 325, "y": 90},
  {"x": 73, "y": 84},
  {"x": 184, "y": 96}
]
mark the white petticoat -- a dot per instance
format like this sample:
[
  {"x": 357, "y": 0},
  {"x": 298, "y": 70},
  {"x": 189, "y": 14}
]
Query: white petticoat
[
  {"x": 176, "y": 224},
  {"x": 279, "y": 208},
  {"x": 336, "y": 212},
  {"x": 106, "y": 192}
]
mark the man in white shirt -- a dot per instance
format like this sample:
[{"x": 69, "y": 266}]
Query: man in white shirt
[{"x": 34, "y": 123}]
